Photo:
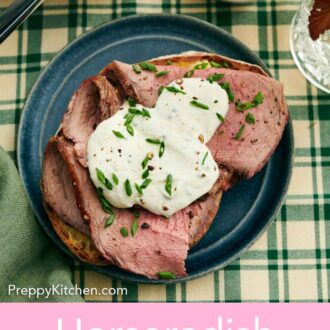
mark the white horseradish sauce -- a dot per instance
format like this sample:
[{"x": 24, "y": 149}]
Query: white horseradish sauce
[{"x": 161, "y": 163}]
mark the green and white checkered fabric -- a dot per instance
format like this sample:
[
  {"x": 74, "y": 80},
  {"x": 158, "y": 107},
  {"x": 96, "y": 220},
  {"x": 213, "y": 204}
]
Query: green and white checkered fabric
[{"x": 291, "y": 262}]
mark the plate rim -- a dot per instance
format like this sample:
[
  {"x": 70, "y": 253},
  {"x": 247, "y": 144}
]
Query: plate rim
[{"x": 138, "y": 278}]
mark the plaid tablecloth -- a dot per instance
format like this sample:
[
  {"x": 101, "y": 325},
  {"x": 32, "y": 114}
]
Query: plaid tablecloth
[{"x": 288, "y": 263}]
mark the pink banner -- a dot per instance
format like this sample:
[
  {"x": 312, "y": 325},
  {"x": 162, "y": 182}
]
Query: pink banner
[{"x": 154, "y": 316}]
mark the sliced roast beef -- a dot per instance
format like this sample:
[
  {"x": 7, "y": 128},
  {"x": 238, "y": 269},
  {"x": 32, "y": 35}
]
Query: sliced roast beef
[
  {"x": 245, "y": 155},
  {"x": 94, "y": 101},
  {"x": 159, "y": 244},
  {"x": 57, "y": 188}
]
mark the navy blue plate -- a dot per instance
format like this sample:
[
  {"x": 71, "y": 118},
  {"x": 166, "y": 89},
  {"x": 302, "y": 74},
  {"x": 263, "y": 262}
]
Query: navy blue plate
[{"x": 246, "y": 210}]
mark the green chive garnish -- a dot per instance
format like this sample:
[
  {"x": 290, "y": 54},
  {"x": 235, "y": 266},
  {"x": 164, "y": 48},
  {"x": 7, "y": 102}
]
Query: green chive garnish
[
  {"x": 173, "y": 89},
  {"x": 136, "y": 69},
  {"x": 115, "y": 179},
  {"x": 145, "y": 113},
  {"x": 145, "y": 162},
  {"x": 169, "y": 62},
  {"x": 105, "y": 204},
  {"x": 124, "y": 231},
  {"x": 128, "y": 187},
  {"x": 145, "y": 183},
  {"x": 134, "y": 227},
  {"x": 220, "y": 117},
  {"x": 239, "y": 133},
  {"x": 161, "y": 149},
  {"x": 129, "y": 118},
  {"x": 138, "y": 189},
  {"x": 118, "y": 134},
  {"x": 189, "y": 74},
  {"x": 250, "y": 119},
  {"x": 168, "y": 184},
  {"x": 225, "y": 64},
  {"x": 160, "y": 90},
  {"x": 101, "y": 177},
  {"x": 162, "y": 73},
  {"x": 215, "y": 64},
  {"x": 134, "y": 111},
  {"x": 215, "y": 77},
  {"x": 226, "y": 86},
  {"x": 130, "y": 129},
  {"x": 201, "y": 66},
  {"x": 148, "y": 66},
  {"x": 145, "y": 174},
  {"x": 110, "y": 221},
  {"x": 258, "y": 99},
  {"x": 199, "y": 105},
  {"x": 166, "y": 275},
  {"x": 205, "y": 156},
  {"x": 131, "y": 102},
  {"x": 153, "y": 141}
]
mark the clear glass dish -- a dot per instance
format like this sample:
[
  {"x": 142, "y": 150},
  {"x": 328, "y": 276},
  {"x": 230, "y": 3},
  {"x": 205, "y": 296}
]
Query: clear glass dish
[{"x": 311, "y": 56}]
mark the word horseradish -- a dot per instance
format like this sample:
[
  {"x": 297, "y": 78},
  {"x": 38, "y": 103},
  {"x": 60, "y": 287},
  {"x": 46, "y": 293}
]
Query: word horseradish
[
  {"x": 223, "y": 324},
  {"x": 157, "y": 157}
]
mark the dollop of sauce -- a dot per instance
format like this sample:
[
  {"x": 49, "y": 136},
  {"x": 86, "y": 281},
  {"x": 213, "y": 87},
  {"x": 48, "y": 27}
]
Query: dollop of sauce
[{"x": 157, "y": 157}]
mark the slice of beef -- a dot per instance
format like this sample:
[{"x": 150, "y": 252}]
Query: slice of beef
[
  {"x": 160, "y": 244},
  {"x": 246, "y": 155},
  {"x": 95, "y": 100},
  {"x": 57, "y": 188}
]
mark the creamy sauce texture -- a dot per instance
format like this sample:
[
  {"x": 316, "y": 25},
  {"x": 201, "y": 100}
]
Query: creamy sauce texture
[{"x": 161, "y": 163}]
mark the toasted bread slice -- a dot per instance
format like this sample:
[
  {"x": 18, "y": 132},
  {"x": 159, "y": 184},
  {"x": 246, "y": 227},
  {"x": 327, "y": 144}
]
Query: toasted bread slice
[{"x": 82, "y": 245}]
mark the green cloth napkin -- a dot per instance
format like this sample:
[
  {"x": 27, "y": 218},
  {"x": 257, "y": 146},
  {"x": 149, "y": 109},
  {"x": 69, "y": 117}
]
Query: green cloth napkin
[{"x": 27, "y": 258}]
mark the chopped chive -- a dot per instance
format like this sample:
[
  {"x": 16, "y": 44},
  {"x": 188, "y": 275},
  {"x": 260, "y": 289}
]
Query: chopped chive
[
  {"x": 134, "y": 227},
  {"x": 239, "y": 133},
  {"x": 134, "y": 111},
  {"x": 173, "y": 89},
  {"x": 129, "y": 118},
  {"x": 148, "y": 66},
  {"x": 138, "y": 189},
  {"x": 226, "y": 86},
  {"x": 115, "y": 179},
  {"x": 220, "y": 117},
  {"x": 204, "y": 158},
  {"x": 160, "y": 90},
  {"x": 131, "y": 102},
  {"x": 145, "y": 183},
  {"x": 250, "y": 119},
  {"x": 225, "y": 64},
  {"x": 128, "y": 187},
  {"x": 110, "y": 220},
  {"x": 215, "y": 77},
  {"x": 168, "y": 184},
  {"x": 258, "y": 99},
  {"x": 104, "y": 203},
  {"x": 161, "y": 149},
  {"x": 166, "y": 275},
  {"x": 136, "y": 69},
  {"x": 169, "y": 62},
  {"x": 189, "y": 73},
  {"x": 201, "y": 66},
  {"x": 130, "y": 129},
  {"x": 124, "y": 231},
  {"x": 101, "y": 177},
  {"x": 118, "y": 134},
  {"x": 145, "y": 113},
  {"x": 145, "y": 174},
  {"x": 215, "y": 64},
  {"x": 153, "y": 141},
  {"x": 145, "y": 162},
  {"x": 162, "y": 73},
  {"x": 199, "y": 105}
]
